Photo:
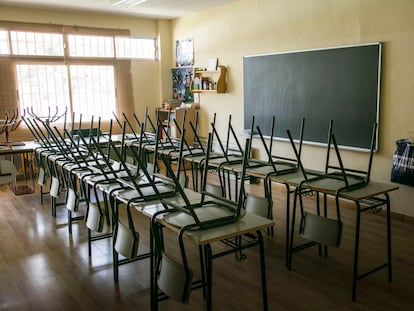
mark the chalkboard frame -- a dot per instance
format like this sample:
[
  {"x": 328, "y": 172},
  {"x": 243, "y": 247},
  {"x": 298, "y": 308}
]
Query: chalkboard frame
[{"x": 346, "y": 90}]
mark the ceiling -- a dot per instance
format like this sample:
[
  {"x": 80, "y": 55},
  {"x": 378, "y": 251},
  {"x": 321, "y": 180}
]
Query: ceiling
[{"x": 166, "y": 9}]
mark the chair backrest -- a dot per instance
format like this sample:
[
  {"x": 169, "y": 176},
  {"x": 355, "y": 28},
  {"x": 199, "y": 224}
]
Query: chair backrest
[
  {"x": 126, "y": 241},
  {"x": 72, "y": 201},
  {"x": 173, "y": 280},
  {"x": 55, "y": 187},
  {"x": 8, "y": 172},
  {"x": 323, "y": 230},
  {"x": 257, "y": 205},
  {"x": 94, "y": 218}
]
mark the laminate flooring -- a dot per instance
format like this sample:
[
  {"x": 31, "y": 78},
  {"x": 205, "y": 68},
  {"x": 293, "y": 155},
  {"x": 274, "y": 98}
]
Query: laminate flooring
[{"x": 43, "y": 267}]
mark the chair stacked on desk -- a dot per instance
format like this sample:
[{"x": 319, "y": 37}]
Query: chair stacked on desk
[
  {"x": 49, "y": 152},
  {"x": 140, "y": 186},
  {"x": 174, "y": 278},
  {"x": 279, "y": 167},
  {"x": 320, "y": 229},
  {"x": 114, "y": 178}
]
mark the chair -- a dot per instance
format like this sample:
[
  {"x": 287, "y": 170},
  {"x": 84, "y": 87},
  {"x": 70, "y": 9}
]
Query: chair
[
  {"x": 139, "y": 186},
  {"x": 319, "y": 229},
  {"x": 102, "y": 177},
  {"x": 227, "y": 156},
  {"x": 47, "y": 148},
  {"x": 174, "y": 278},
  {"x": 76, "y": 161}
]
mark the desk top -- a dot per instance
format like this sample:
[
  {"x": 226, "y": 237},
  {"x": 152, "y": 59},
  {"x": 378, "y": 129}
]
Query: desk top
[
  {"x": 372, "y": 189},
  {"x": 18, "y": 147},
  {"x": 329, "y": 186},
  {"x": 247, "y": 224},
  {"x": 291, "y": 179}
]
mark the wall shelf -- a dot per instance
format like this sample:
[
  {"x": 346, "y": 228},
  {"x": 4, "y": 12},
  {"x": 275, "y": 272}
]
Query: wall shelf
[{"x": 210, "y": 81}]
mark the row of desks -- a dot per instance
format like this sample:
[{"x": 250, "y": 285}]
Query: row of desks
[
  {"x": 373, "y": 195},
  {"x": 249, "y": 224}
]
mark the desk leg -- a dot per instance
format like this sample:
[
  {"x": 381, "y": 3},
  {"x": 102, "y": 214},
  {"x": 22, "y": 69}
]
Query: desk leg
[
  {"x": 356, "y": 250},
  {"x": 388, "y": 264},
  {"x": 153, "y": 287},
  {"x": 292, "y": 230},
  {"x": 389, "y": 236},
  {"x": 209, "y": 276},
  {"x": 268, "y": 194},
  {"x": 202, "y": 269},
  {"x": 263, "y": 270},
  {"x": 287, "y": 225}
]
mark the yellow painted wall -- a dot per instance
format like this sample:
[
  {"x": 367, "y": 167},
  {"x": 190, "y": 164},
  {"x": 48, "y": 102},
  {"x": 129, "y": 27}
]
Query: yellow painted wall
[{"x": 248, "y": 27}]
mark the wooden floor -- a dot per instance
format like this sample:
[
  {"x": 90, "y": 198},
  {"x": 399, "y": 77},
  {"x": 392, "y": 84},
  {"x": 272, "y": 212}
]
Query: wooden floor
[{"x": 42, "y": 267}]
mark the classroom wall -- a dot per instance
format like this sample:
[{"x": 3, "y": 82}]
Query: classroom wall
[
  {"x": 249, "y": 27},
  {"x": 146, "y": 75}
]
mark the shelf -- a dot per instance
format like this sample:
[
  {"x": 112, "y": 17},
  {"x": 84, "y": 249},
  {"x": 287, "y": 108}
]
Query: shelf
[
  {"x": 210, "y": 81},
  {"x": 205, "y": 91}
]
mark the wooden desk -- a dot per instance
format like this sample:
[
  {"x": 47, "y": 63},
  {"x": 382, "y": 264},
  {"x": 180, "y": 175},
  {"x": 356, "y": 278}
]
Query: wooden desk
[
  {"x": 371, "y": 196},
  {"x": 25, "y": 149},
  {"x": 250, "y": 225}
]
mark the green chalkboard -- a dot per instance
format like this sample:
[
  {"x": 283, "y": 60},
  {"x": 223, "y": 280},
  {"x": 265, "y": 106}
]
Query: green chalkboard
[{"x": 340, "y": 84}]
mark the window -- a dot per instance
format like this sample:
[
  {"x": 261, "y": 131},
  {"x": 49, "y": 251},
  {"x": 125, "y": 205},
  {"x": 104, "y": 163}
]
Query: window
[
  {"x": 79, "y": 69},
  {"x": 93, "y": 90},
  {"x": 90, "y": 46},
  {"x": 4, "y": 42},
  {"x": 42, "y": 87},
  {"x": 135, "y": 48},
  {"x": 35, "y": 43}
]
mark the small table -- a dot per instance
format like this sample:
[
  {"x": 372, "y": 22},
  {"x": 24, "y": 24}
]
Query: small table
[
  {"x": 249, "y": 224},
  {"x": 371, "y": 196},
  {"x": 25, "y": 149}
]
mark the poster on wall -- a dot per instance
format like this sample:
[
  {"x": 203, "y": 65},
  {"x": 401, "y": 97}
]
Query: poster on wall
[
  {"x": 184, "y": 53},
  {"x": 181, "y": 84}
]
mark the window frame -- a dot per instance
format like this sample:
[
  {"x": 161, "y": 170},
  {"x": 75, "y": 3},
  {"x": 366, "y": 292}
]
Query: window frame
[{"x": 122, "y": 66}]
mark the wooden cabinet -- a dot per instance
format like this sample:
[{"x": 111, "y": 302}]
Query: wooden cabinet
[
  {"x": 210, "y": 81},
  {"x": 167, "y": 118}
]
